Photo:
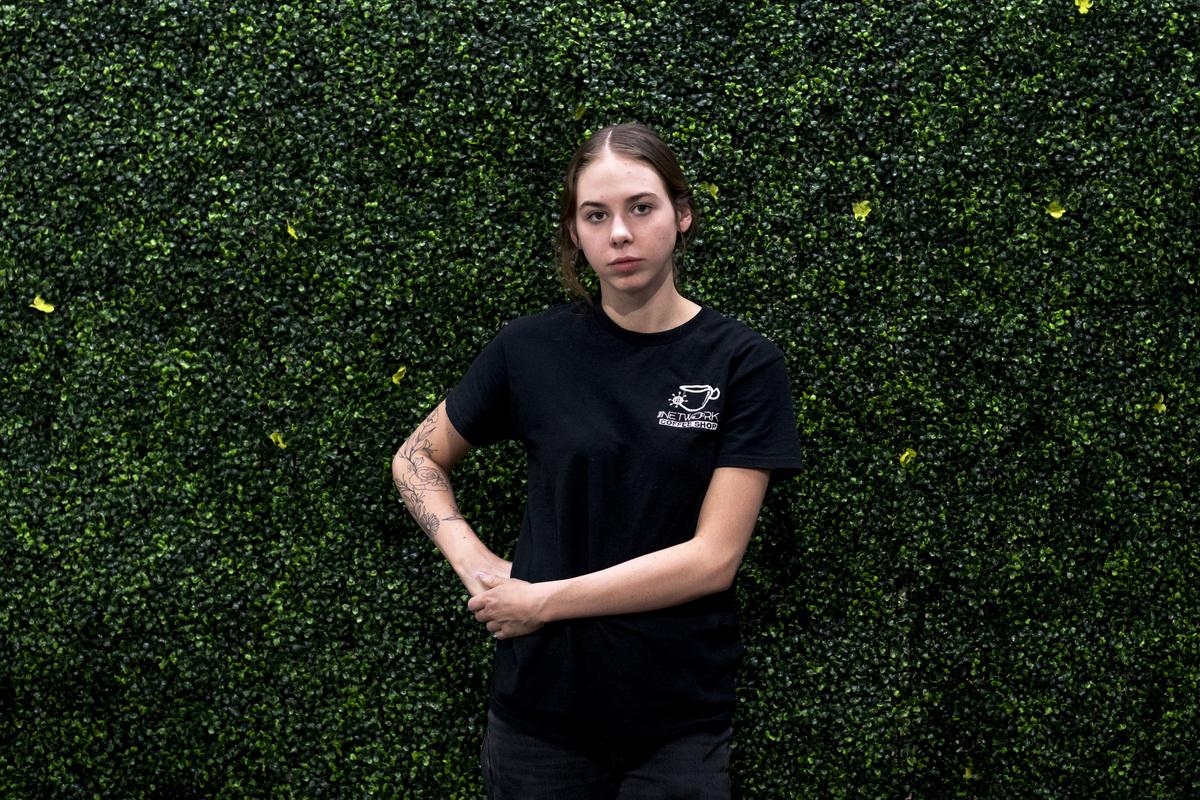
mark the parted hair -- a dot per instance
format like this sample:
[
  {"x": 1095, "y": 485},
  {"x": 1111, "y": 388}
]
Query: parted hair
[{"x": 632, "y": 140}]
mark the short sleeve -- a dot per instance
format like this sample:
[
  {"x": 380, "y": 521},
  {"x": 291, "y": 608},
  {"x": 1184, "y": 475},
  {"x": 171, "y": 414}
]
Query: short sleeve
[
  {"x": 479, "y": 406},
  {"x": 758, "y": 426}
]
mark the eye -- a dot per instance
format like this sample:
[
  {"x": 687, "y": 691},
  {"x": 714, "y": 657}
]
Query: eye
[
  {"x": 643, "y": 208},
  {"x": 594, "y": 216}
]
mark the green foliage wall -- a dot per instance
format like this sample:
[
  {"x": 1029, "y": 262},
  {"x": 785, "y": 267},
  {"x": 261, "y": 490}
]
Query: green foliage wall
[{"x": 274, "y": 234}]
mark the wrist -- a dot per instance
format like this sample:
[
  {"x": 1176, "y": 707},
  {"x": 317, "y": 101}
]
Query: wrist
[
  {"x": 460, "y": 546},
  {"x": 548, "y": 607}
]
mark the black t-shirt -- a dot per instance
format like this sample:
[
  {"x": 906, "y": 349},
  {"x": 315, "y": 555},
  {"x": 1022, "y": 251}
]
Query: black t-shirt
[{"x": 623, "y": 431}]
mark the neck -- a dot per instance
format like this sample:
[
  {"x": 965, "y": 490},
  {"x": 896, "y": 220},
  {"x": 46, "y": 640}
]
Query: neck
[{"x": 662, "y": 310}]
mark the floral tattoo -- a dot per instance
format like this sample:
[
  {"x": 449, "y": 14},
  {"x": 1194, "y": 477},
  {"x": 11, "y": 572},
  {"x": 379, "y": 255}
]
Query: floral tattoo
[{"x": 423, "y": 477}]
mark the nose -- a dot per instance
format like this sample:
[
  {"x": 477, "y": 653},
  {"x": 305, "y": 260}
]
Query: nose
[{"x": 619, "y": 233}]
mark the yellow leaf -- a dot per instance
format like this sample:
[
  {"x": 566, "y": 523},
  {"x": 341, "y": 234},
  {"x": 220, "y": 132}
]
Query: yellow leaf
[
  {"x": 41, "y": 305},
  {"x": 861, "y": 209},
  {"x": 580, "y": 110},
  {"x": 292, "y": 231},
  {"x": 907, "y": 457},
  {"x": 711, "y": 188},
  {"x": 399, "y": 376},
  {"x": 968, "y": 774},
  {"x": 1084, "y": 6},
  {"x": 277, "y": 438},
  {"x": 1055, "y": 209},
  {"x": 1161, "y": 405}
]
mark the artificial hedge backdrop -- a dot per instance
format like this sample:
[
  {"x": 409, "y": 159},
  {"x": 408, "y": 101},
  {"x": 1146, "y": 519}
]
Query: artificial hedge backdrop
[{"x": 246, "y": 245}]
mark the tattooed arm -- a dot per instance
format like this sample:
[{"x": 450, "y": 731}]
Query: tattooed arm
[{"x": 420, "y": 470}]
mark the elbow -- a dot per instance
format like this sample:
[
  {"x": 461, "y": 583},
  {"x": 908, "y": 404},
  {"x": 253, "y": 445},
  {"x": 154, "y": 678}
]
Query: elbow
[
  {"x": 723, "y": 578},
  {"x": 720, "y": 570},
  {"x": 401, "y": 463}
]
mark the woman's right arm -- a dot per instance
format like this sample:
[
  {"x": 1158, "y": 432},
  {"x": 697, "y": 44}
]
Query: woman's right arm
[{"x": 420, "y": 470}]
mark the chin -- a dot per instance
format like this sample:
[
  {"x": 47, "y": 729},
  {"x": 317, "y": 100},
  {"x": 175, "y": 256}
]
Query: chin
[{"x": 627, "y": 282}]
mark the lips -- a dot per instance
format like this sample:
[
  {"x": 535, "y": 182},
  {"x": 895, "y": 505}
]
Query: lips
[{"x": 625, "y": 264}]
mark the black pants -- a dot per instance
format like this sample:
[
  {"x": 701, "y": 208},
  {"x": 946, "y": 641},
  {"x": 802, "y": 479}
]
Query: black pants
[{"x": 519, "y": 766}]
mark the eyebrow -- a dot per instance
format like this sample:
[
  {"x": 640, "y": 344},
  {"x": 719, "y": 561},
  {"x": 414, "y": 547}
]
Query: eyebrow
[{"x": 631, "y": 199}]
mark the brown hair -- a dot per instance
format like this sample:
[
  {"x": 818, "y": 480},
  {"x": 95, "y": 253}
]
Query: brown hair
[{"x": 632, "y": 140}]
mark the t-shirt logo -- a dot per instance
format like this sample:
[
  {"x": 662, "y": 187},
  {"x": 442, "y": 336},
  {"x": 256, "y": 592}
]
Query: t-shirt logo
[
  {"x": 691, "y": 400},
  {"x": 694, "y": 397}
]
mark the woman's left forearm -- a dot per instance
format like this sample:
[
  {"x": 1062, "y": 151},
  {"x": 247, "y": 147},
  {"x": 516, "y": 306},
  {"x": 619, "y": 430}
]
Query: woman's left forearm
[
  {"x": 702, "y": 565},
  {"x": 661, "y": 579}
]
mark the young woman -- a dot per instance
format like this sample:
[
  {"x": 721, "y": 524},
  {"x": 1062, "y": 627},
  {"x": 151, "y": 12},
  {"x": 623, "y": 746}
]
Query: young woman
[{"x": 652, "y": 427}]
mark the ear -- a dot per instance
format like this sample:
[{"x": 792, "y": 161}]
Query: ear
[
  {"x": 574, "y": 238},
  {"x": 684, "y": 216}
]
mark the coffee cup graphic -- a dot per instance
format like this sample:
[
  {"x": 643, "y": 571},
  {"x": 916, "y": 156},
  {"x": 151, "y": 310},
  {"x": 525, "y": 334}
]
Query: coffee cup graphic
[{"x": 695, "y": 397}]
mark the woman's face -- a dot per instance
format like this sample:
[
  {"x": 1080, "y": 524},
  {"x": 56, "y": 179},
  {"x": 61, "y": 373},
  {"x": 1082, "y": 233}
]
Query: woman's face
[{"x": 626, "y": 225}]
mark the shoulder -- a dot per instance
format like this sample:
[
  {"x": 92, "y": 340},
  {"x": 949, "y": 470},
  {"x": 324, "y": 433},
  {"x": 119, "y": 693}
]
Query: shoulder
[
  {"x": 550, "y": 322},
  {"x": 547, "y": 319},
  {"x": 741, "y": 342}
]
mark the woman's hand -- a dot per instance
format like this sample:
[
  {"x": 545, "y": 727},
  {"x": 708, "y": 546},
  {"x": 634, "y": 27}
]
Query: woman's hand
[
  {"x": 487, "y": 564},
  {"x": 508, "y": 607}
]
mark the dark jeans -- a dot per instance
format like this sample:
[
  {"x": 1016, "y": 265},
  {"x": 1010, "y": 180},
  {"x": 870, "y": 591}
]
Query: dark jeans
[{"x": 519, "y": 766}]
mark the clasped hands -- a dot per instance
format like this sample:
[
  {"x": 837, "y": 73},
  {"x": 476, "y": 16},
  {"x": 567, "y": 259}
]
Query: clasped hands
[{"x": 508, "y": 607}]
